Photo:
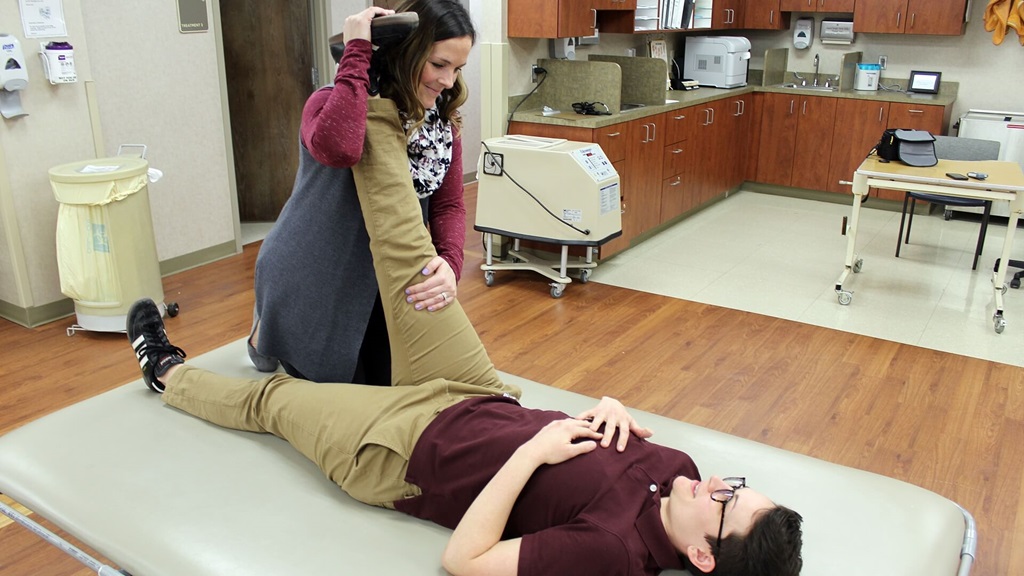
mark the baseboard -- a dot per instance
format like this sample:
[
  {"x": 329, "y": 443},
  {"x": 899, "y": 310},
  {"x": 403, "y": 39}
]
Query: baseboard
[
  {"x": 33, "y": 316},
  {"x": 37, "y": 315}
]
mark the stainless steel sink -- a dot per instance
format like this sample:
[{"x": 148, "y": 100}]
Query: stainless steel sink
[
  {"x": 626, "y": 107},
  {"x": 793, "y": 86}
]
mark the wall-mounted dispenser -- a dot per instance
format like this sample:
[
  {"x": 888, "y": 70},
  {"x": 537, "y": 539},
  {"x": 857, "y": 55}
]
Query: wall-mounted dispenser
[
  {"x": 803, "y": 33},
  {"x": 13, "y": 76},
  {"x": 563, "y": 48},
  {"x": 58, "y": 62}
]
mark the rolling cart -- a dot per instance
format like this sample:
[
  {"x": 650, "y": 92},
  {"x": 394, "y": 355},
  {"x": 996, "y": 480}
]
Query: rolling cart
[{"x": 548, "y": 190}]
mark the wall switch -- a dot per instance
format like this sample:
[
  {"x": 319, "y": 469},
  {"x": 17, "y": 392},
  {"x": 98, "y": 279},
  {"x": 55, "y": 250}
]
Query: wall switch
[{"x": 883, "y": 61}]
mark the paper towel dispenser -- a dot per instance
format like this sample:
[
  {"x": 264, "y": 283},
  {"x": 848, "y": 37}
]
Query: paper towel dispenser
[{"x": 836, "y": 31}]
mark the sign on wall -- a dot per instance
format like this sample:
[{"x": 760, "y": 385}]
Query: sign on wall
[{"x": 192, "y": 16}]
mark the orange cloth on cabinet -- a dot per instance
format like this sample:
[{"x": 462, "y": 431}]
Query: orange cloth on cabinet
[{"x": 997, "y": 14}]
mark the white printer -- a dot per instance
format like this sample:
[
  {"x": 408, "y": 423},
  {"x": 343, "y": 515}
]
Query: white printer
[{"x": 718, "y": 61}]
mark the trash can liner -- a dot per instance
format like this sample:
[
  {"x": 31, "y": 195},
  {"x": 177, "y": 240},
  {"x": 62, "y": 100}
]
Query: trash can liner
[{"x": 85, "y": 256}]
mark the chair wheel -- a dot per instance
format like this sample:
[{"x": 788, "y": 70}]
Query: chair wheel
[
  {"x": 172, "y": 309},
  {"x": 1015, "y": 283}
]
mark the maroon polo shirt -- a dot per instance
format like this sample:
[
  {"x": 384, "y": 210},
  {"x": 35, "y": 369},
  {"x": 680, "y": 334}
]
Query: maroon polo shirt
[{"x": 597, "y": 513}]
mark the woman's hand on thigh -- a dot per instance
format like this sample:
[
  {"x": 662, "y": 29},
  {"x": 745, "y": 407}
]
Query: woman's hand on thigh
[{"x": 437, "y": 291}]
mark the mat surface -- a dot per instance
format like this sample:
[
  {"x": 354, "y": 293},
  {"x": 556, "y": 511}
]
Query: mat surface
[{"x": 162, "y": 493}]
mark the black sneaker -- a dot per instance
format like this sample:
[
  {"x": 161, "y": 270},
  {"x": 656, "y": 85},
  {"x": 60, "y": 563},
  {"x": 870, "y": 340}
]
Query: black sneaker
[{"x": 148, "y": 337}]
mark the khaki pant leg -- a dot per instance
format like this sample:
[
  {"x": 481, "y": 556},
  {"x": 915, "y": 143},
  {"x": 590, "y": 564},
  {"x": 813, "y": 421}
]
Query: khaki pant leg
[
  {"x": 424, "y": 345},
  {"x": 361, "y": 437}
]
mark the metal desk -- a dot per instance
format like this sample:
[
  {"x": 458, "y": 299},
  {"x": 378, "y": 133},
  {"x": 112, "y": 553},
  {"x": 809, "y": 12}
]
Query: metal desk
[{"x": 1005, "y": 182}]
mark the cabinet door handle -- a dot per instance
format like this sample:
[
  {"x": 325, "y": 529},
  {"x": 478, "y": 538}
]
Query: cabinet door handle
[
  {"x": 881, "y": 109},
  {"x": 707, "y": 117},
  {"x": 803, "y": 108},
  {"x": 739, "y": 107},
  {"x": 898, "y": 16},
  {"x": 614, "y": 134},
  {"x": 809, "y": 3},
  {"x": 677, "y": 151},
  {"x": 915, "y": 111},
  {"x": 647, "y": 133},
  {"x": 912, "y": 16},
  {"x": 654, "y": 132},
  {"x": 771, "y": 16},
  {"x": 680, "y": 117},
  {"x": 594, "y": 10},
  {"x": 743, "y": 107},
  {"x": 791, "y": 103},
  {"x": 677, "y": 181},
  {"x": 712, "y": 115}
]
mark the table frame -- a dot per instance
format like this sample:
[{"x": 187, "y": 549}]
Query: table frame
[{"x": 1005, "y": 182}]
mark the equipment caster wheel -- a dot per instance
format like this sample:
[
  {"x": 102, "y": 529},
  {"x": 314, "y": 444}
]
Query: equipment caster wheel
[
  {"x": 172, "y": 309},
  {"x": 845, "y": 297},
  {"x": 557, "y": 290},
  {"x": 1015, "y": 283},
  {"x": 999, "y": 322},
  {"x": 489, "y": 278},
  {"x": 858, "y": 265},
  {"x": 584, "y": 276}
]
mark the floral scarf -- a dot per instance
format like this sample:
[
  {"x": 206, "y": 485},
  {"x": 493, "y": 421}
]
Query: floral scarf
[{"x": 430, "y": 153}]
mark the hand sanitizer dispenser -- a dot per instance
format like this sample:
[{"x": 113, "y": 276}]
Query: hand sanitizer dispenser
[
  {"x": 803, "y": 33},
  {"x": 13, "y": 76}
]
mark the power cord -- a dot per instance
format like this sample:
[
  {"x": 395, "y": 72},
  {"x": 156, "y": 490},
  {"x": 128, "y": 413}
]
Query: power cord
[
  {"x": 504, "y": 172},
  {"x": 538, "y": 70}
]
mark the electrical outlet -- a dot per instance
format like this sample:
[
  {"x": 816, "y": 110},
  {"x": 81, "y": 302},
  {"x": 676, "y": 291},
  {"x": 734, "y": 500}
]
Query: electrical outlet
[
  {"x": 533, "y": 73},
  {"x": 493, "y": 163},
  {"x": 883, "y": 61}
]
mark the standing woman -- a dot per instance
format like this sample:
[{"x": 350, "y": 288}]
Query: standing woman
[{"x": 318, "y": 310}]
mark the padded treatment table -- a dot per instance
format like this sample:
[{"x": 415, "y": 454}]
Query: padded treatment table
[{"x": 160, "y": 492}]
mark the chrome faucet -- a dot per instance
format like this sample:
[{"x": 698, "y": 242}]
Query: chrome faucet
[{"x": 816, "y": 61}]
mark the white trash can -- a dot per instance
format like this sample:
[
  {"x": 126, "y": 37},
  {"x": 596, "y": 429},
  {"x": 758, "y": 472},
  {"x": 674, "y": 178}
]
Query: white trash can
[{"x": 106, "y": 251}]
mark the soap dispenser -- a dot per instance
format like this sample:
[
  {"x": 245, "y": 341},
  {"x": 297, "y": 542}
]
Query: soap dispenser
[
  {"x": 13, "y": 76},
  {"x": 803, "y": 33}
]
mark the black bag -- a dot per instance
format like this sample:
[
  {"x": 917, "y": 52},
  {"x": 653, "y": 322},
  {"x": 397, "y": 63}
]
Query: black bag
[{"x": 912, "y": 147}]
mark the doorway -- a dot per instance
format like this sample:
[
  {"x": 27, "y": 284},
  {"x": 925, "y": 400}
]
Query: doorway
[{"x": 270, "y": 71}]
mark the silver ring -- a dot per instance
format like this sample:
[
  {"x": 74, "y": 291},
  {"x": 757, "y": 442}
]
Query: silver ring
[{"x": 444, "y": 295}]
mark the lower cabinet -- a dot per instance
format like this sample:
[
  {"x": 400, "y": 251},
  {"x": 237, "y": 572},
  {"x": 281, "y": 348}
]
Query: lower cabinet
[
  {"x": 796, "y": 135},
  {"x": 673, "y": 162}
]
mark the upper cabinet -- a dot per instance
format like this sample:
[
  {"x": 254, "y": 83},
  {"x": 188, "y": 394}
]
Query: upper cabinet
[
  {"x": 552, "y": 18},
  {"x": 764, "y": 15},
  {"x": 942, "y": 17},
  {"x": 844, "y": 6}
]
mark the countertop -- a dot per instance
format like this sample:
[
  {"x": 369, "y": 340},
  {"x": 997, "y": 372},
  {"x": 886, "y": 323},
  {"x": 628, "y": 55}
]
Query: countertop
[{"x": 700, "y": 96}]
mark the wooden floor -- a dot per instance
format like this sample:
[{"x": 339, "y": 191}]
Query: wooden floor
[{"x": 952, "y": 424}]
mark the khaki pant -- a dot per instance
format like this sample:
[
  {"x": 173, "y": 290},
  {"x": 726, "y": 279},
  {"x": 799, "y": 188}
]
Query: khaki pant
[{"x": 362, "y": 436}]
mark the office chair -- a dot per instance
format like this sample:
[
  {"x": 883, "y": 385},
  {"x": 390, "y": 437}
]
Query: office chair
[{"x": 951, "y": 148}]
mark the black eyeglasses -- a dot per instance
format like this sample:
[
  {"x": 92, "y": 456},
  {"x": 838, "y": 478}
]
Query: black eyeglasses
[{"x": 723, "y": 496}]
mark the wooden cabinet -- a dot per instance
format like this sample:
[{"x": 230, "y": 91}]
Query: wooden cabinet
[
  {"x": 917, "y": 116},
  {"x": 614, "y": 4},
  {"x": 726, "y": 14},
  {"x": 818, "y": 5},
  {"x": 858, "y": 128},
  {"x": 941, "y": 17},
  {"x": 765, "y": 15},
  {"x": 551, "y": 18},
  {"x": 734, "y": 141},
  {"x": 678, "y": 193},
  {"x": 642, "y": 185},
  {"x": 796, "y": 140}
]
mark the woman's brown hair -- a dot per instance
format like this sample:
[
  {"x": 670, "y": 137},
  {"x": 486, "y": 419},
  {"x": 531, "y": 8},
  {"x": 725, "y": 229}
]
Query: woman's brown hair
[{"x": 400, "y": 66}]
